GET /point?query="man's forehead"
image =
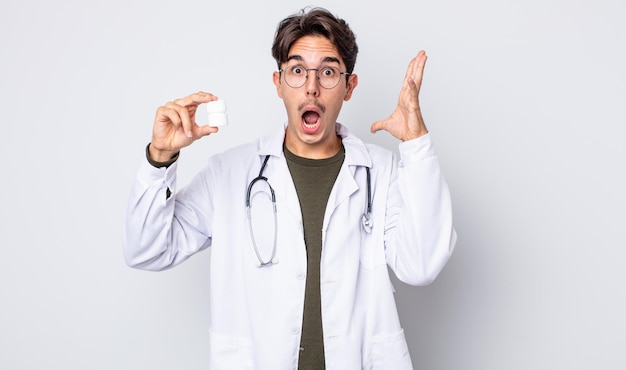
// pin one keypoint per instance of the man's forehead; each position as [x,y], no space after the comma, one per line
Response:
[325,60]
[314,49]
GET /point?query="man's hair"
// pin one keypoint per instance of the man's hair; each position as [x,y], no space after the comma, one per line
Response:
[315,22]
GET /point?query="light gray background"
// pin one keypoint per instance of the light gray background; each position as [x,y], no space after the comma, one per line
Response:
[525,102]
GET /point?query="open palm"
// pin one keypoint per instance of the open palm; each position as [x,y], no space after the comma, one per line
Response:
[406,122]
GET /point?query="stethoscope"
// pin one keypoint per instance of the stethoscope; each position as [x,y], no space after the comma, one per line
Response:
[366,219]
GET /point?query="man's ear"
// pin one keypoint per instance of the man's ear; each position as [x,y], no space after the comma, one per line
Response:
[276,80]
[353,81]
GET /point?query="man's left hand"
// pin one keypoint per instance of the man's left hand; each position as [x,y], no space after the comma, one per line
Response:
[406,122]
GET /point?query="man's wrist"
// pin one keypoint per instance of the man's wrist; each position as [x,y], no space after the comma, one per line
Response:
[163,159]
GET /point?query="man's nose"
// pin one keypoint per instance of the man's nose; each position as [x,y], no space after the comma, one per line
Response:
[312,84]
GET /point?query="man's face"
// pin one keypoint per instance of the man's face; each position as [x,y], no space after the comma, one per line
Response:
[312,110]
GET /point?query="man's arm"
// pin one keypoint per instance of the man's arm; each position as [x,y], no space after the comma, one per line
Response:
[161,230]
[420,236]
[419,233]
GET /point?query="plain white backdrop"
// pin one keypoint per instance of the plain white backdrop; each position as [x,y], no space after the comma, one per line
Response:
[524,99]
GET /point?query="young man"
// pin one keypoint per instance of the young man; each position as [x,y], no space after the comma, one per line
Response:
[303,223]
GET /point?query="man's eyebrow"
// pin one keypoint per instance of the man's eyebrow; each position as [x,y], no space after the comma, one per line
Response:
[325,60]
[294,57]
[331,60]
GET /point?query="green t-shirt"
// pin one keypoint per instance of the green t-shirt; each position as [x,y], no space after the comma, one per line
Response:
[313,179]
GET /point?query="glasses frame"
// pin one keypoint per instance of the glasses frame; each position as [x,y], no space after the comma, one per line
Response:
[317,72]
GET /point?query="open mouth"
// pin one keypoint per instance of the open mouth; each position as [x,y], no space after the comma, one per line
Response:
[310,120]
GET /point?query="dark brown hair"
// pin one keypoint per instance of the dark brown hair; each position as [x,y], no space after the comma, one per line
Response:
[315,22]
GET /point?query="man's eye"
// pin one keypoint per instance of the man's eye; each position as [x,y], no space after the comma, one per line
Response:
[328,72]
[297,70]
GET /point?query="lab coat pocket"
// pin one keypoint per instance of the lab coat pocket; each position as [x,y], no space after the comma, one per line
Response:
[228,352]
[390,351]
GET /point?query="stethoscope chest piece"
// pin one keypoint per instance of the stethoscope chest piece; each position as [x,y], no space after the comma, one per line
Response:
[366,221]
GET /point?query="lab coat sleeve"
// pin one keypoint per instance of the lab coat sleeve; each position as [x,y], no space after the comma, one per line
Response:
[160,231]
[419,234]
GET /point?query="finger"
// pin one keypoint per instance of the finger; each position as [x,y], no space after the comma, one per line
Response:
[201,131]
[414,91]
[195,99]
[410,71]
[166,114]
[185,118]
[420,63]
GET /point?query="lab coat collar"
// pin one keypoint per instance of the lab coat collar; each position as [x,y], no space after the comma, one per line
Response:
[356,151]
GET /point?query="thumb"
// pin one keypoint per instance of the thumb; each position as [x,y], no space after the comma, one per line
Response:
[377,126]
[205,130]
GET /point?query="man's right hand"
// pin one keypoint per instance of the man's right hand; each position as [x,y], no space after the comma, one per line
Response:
[175,126]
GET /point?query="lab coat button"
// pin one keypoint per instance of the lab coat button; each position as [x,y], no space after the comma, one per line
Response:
[300,275]
[295,330]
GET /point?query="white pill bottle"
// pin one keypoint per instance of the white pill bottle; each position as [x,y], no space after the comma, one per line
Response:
[217,113]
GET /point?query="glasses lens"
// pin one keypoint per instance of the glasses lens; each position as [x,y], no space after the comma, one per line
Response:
[295,76]
[328,77]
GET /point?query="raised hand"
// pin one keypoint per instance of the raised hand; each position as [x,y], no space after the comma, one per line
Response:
[406,122]
[175,126]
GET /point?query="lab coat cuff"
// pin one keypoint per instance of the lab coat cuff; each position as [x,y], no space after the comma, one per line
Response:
[417,149]
[160,177]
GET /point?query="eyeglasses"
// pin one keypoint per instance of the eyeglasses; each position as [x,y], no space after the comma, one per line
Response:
[328,77]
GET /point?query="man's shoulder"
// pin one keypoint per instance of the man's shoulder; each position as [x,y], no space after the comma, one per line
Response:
[364,153]
[248,152]
[236,154]
[378,150]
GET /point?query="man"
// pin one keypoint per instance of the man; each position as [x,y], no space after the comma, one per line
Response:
[303,283]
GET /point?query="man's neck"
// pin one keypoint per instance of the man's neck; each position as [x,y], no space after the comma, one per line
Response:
[314,151]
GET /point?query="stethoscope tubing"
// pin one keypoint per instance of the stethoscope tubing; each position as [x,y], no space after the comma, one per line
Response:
[260,177]
[366,219]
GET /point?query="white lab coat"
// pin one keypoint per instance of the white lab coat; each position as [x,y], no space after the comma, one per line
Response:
[256,312]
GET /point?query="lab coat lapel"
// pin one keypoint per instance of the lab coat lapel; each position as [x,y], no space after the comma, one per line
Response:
[286,196]
[279,176]
[348,180]
[344,187]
